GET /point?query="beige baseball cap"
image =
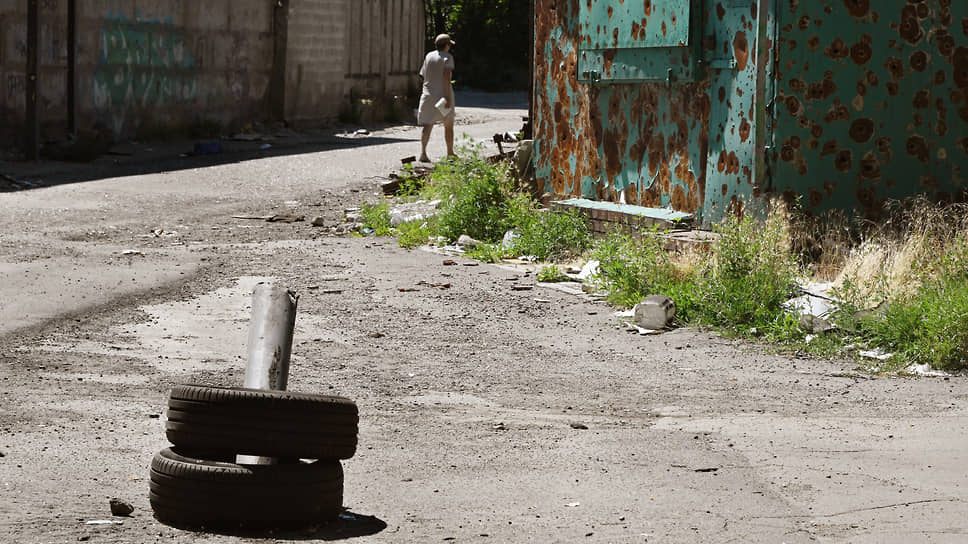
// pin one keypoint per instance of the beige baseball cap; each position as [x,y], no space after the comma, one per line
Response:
[444,39]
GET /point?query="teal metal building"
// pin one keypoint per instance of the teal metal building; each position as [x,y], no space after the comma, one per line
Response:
[713,106]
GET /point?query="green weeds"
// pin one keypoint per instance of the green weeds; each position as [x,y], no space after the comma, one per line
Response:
[479,200]
[552,274]
[902,288]
[377,217]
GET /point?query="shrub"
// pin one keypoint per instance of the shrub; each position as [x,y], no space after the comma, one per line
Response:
[377,217]
[547,235]
[753,273]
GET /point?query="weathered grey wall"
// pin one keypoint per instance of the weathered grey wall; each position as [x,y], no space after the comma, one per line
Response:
[368,47]
[147,68]
[143,67]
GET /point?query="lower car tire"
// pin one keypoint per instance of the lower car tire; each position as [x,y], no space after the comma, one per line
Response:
[188,491]
[263,423]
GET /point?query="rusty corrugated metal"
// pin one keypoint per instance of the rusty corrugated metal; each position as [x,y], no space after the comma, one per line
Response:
[710,105]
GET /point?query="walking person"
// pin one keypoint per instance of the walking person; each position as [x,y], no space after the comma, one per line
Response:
[437,99]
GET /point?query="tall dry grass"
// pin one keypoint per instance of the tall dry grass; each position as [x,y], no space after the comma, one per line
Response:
[894,258]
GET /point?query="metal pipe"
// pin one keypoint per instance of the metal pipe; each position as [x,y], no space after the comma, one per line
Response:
[270,337]
[270,345]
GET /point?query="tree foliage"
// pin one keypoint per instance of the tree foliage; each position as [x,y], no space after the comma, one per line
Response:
[493,40]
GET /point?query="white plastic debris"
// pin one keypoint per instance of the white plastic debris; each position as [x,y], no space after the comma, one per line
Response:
[589,270]
[413,211]
[877,353]
[926,370]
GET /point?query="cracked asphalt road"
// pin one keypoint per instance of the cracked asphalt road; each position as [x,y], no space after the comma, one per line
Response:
[120,280]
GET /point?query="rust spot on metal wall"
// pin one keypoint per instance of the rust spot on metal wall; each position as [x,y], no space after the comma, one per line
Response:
[741,51]
[917,147]
[960,64]
[744,130]
[858,8]
[919,61]
[844,160]
[862,130]
[861,52]
[910,28]
[829,148]
[837,49]
[870,166]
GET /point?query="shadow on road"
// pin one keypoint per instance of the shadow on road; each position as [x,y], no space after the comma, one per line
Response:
[136,160]
[348,525]
[129,159]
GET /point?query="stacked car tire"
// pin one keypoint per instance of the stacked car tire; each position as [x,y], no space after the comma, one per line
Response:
[197,481]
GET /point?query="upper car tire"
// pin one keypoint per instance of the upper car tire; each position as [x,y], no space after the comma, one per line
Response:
[263,423]
[186,490]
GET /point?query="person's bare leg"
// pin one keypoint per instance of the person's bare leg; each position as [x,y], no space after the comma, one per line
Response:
[449,136]
[424,140]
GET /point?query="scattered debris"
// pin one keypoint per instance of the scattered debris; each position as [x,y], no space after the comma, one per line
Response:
[508,240]
[121,508]
[655,312]
[104,522]
[435,285]
[467,242]
[573,505]
[409,160]
[375,335]
[522,287]
[814,307]
[132,252]
[500,427]
[926,371]
[628,318]
[319,222]
[413,211]
[407,289]
[286,218]
[450,262]
[876,353]
[362,132]
[253,217]
[416,175]
[587,271]
[579,426]
[710,469]
[472,263]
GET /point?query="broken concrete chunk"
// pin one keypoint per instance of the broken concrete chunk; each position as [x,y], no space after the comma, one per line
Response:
[413,211]
[467,241]
[656,313]
[813,324]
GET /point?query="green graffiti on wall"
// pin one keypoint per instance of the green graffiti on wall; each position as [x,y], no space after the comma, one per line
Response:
[143,65]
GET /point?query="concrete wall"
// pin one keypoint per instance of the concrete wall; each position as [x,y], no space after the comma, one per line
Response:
[152,68]
[337,47]
[143,67]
